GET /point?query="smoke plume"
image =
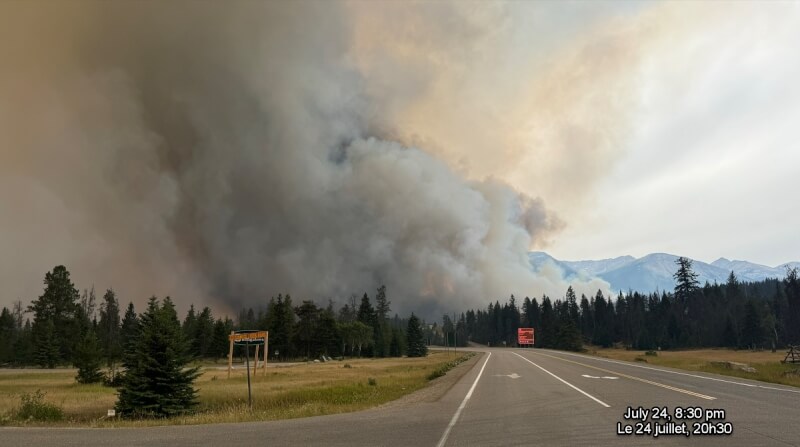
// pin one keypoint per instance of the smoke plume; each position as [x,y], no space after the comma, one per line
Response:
[223,152]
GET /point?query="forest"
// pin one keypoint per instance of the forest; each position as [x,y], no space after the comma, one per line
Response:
[756,315]
[66,327]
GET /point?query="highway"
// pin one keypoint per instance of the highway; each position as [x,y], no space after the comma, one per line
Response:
[511,397]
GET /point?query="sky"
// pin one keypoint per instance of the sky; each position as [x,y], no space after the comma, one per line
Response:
[711,164]
[227,152]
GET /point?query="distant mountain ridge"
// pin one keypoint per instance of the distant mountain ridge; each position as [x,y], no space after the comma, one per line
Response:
[654,272]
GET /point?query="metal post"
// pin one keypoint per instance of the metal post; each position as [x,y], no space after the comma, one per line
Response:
[230,355]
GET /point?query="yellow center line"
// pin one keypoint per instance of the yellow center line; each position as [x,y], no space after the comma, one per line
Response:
[680,390]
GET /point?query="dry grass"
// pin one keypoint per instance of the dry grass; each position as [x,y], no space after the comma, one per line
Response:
[767,364]
[283,393]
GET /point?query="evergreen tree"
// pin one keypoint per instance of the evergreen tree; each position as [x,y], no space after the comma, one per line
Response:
[108,330]
[547,336]
[381,331]
[88,358]
[129,329]
[791,286]
[220,344]
[752,328]
[685,280]
[203,336]
[45,347]
[382,304]
[281,326]
[587,319]
[157,382]
[306,329]
[730,339]
[568,337]
[189,329]
[55,317]
[23,345]
[416,341]
[8,334]
[328,332]
[366,316]
[603,321]
[399,338]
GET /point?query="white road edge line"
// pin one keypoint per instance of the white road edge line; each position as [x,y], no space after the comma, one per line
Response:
[788,390]
[463,404]
[566,383]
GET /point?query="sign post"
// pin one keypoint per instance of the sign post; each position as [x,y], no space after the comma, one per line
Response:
[525,336]
[247,338]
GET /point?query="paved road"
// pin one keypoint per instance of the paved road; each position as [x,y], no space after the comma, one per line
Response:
[510,397]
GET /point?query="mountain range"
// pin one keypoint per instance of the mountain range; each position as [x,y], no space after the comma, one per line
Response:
[654,272]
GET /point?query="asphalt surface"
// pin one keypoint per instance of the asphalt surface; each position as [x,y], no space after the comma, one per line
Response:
[510,397]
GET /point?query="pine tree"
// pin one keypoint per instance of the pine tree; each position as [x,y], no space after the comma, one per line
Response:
[568,337]
[306,329]
[220,344]
[328,332]
[108,331]
[547,336]
[129,330]
[685,280]
[366,316]
[791,287]
[395,348]
[281,326]
[416,341]
[45,348]
[189,329]
[752,328]
[381,331]
[23,345]
[8,334]
[88,358]
[57,307]
[157,382]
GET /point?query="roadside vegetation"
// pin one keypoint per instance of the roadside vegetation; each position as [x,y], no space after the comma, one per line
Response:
[765,366]
[285,392]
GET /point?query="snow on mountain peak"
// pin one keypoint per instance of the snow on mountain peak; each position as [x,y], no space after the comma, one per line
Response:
[655,271]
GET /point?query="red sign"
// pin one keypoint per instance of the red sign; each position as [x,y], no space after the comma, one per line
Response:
[525,336]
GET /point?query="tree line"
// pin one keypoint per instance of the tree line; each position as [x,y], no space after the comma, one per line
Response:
[764,314]
[148,356]
[65,327]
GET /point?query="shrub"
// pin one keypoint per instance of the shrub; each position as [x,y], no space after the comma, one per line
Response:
[372,382]
[651,353]
[33,407]
[442,370]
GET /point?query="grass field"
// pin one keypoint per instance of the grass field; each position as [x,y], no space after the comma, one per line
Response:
[767,364]
[283,393]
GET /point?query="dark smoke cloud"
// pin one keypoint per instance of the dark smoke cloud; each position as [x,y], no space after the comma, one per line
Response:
[221,153]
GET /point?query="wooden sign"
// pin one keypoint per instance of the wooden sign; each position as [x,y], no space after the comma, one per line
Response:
[249,338]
